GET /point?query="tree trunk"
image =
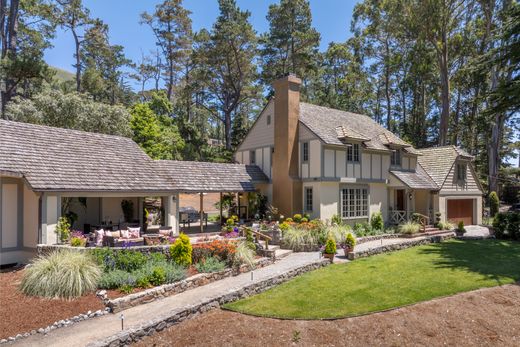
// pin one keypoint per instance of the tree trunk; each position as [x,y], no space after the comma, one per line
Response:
[445,92]
[11,38]
[227,130]
[3,34]
[78,60]
[456,116]
[387,88]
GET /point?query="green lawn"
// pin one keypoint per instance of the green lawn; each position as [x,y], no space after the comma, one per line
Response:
[389,280]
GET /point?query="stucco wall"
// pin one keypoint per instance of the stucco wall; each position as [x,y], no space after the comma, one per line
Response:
[329,199]
[30,218]
[378,199]
[111,208]
[10,211]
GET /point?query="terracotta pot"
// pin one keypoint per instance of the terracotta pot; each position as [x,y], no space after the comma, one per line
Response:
[348,250]
[329,256]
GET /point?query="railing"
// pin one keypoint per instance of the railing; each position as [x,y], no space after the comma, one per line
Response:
[421,219]
[398,216]
[258,236]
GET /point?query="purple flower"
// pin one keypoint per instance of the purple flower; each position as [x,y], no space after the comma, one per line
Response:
[231,235]
[235,229]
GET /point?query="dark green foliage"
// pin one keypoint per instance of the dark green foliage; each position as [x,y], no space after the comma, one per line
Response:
[494,204]
[460,227]
[437,219]
[376,221]
[507,225]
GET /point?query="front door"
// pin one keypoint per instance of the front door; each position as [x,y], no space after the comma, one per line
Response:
[399,196]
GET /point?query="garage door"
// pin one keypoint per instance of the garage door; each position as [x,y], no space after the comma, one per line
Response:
[461,210]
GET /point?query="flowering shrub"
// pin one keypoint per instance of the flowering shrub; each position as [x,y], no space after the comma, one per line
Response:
[231,235]
[77,239]
[222,249]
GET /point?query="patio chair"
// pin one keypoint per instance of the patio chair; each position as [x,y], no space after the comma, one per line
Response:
[184,218]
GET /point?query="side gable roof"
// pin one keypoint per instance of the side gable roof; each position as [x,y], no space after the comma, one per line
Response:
[193,176]
[56,159]
[335,126]
[438,161]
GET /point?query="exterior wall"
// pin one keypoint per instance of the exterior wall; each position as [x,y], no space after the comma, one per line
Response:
[30,217]
[442,202]
[261,134]
[10,213]
[316,199]
[329,200]
[111,208]
[267,190]
[314,159]
[378,199]
[422,202]
[470,185]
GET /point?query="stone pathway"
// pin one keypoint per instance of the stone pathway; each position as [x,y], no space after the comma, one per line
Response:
[91,331]
[476,232]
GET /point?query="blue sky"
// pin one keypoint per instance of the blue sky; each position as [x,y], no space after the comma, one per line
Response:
[330,17]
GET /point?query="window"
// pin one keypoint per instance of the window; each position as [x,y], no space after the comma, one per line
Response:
[354,203]
[353,152]
[268,119]
[461,172]
[395,160]
[252,157]
[308,199]
[305,150]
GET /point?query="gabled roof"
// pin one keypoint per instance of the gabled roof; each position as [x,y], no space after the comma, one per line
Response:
[56,159]
[193,176]
[335,126]
[438,161]
[416,180]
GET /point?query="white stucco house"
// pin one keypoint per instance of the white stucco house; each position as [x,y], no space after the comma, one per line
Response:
[326,162]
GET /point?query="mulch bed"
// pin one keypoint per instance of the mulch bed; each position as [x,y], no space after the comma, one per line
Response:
[486,317]
[20,313]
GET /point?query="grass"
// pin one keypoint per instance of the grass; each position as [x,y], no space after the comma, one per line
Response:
[389,280]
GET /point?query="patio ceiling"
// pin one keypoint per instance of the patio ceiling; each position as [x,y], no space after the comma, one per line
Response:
[195,177]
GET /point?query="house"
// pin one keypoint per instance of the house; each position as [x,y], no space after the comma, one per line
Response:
[327,162]
[47,172]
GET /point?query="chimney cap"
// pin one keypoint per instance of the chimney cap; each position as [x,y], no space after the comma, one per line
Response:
[289,77]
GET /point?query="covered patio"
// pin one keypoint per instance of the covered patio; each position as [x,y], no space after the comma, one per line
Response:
[236,181]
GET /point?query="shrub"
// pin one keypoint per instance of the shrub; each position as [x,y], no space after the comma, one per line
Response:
[362,229]
[338,232]
[350,240]
[284,226]
[296,238]
[61,274]
[307,216]
[127,260]
[336,219]
[494,203]
[174,272]
[244,254]
[289,220]
[210,264]
[181,250]
[297,218]
[77,241]
[116,279]
[330,246]
[304,220]
[409,228]
[126,289]
[445,226]
[230,222]
[376,221]
[63,229]
[460,227]
[500,224]
[514,225]
[157,276]
[437,219]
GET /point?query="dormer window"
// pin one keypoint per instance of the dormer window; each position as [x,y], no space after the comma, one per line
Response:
[395,159]
[305,151]
[353,152]
[461,172]
[252,157]
[268,119]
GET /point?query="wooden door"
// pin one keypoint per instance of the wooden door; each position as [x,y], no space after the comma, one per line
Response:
[399,195]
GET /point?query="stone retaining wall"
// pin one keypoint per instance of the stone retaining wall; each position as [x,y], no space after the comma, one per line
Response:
[129,336]
[364,239]
[165,290]
[46,249]
[398,246]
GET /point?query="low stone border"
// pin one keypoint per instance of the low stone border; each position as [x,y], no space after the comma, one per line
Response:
[398,246]
[59,324]
[152,294]
[364,239]
[126,337]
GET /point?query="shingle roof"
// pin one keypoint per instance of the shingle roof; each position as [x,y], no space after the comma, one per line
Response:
[56,159]
[437,161]
[325,122]
[193,176]
[416,180]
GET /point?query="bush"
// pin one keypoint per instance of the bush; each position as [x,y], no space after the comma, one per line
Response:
[445,226]
[116,279]
[181,250]
[157,276]
[221,249]
[296,238]
[289,220]
[297,218]
[409,228]
[514,225]
[77,241]
[338,232]
[304,220]
[127,260]
[494,203]
[437,219]
[507,225]
[350,240]
[63,229]
[284,226]
[376,221]
[210,264]
[336,219]
[362,229]
[500,224]
[244,254]
[174,272]
[460,227]
[61,274]
[330,246]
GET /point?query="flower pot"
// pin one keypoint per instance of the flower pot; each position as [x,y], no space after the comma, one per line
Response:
[348,250]
[329,256]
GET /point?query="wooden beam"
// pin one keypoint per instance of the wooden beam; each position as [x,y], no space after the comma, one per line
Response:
[201,212]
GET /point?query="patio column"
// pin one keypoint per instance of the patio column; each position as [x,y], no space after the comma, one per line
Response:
[238,206]
[170,211]
[201,212]
[51,212]
[220,208]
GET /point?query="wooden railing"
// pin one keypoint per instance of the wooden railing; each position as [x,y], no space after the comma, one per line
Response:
[398,216]
[421,219]
[258,236]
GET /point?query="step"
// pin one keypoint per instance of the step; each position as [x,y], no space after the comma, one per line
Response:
[282,253]
[273,247]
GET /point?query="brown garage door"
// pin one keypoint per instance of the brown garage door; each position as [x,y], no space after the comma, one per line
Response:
[461,210]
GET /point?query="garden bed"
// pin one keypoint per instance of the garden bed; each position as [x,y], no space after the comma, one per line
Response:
[21,313]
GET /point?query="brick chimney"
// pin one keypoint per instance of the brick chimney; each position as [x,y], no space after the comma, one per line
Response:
[287,187]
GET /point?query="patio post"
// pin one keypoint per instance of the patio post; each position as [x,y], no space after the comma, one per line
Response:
[238,205]
[220,208]
[201,212]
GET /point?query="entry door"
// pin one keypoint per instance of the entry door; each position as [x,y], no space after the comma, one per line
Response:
[399,196]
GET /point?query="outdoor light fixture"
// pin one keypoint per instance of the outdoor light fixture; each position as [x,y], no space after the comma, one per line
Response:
[122,321]
[410,196]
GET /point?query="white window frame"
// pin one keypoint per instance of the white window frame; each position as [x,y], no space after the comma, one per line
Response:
[353,155]
[462,168]
[396,154]
[309,204]
[354,202]
[305,152]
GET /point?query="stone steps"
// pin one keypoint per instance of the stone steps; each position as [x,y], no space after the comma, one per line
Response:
[282,253]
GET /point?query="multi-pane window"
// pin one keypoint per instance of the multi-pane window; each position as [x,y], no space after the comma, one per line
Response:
[268,119]
[353,152]
[354,203]
[395,160]
[305,150]
[461,172]
[308,199]
[252,157]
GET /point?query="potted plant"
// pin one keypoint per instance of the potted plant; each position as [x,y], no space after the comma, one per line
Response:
[330,249]
[460,229]
[349,244]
